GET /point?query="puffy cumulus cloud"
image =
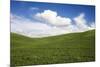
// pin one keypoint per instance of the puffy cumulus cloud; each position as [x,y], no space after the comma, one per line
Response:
[51,17]
[27,27]
[82,24]
[48,23]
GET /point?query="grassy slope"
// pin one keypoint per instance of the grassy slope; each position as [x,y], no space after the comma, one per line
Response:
[73,47]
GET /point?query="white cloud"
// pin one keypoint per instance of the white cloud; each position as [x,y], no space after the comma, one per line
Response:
[92,25]
[25,26]
[30,28]
[49,24]
[52,18]
[81,22]
[34,8]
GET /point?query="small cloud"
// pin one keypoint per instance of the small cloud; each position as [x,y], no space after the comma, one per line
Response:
[92,26]
[34,8]
[81,22]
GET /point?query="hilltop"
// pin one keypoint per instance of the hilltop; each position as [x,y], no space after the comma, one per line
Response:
[73,47]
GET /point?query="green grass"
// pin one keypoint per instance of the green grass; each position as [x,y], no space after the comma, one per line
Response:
[68,48]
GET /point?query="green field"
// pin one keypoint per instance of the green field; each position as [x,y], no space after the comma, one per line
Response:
[68,48]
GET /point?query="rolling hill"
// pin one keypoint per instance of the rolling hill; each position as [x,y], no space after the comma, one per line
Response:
[67,48]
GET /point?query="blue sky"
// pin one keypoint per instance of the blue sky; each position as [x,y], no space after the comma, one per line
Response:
[80,15]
